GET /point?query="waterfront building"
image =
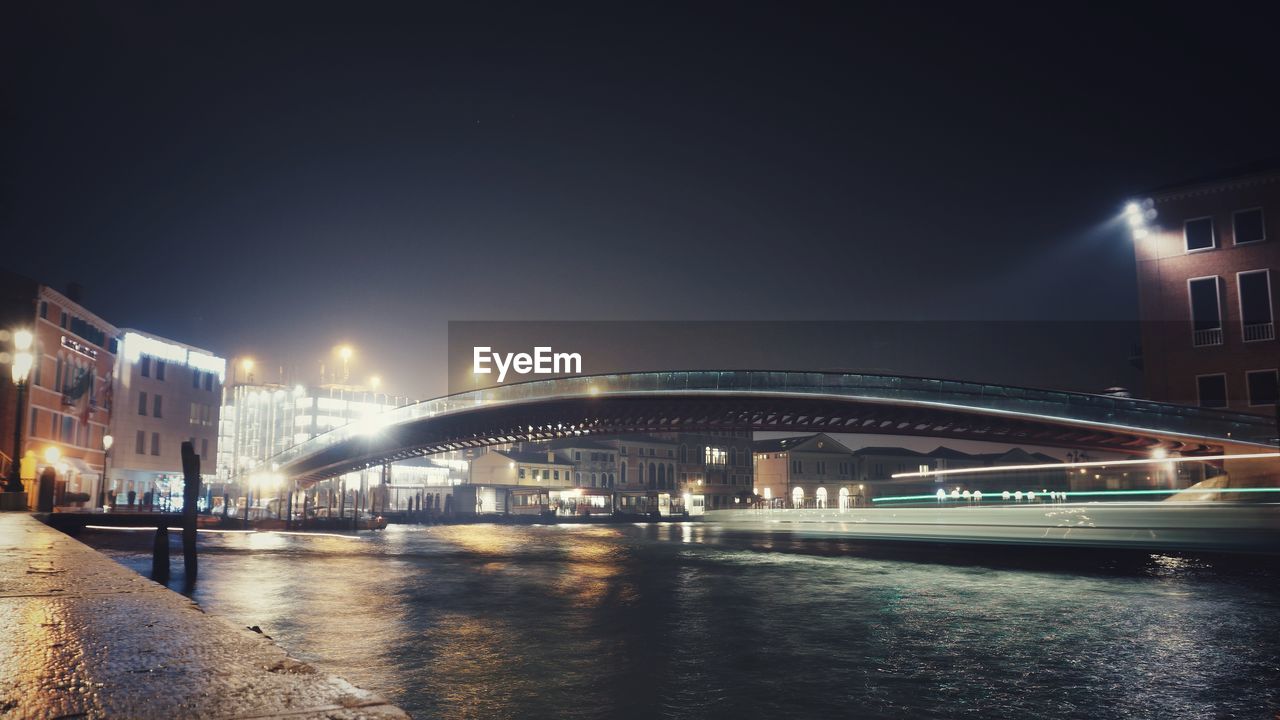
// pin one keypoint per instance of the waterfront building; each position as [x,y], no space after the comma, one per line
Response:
[714,464]
[645,463]
[165,393]
[812,471]
[595,462]
[497,474]
[1207,256]
[67,404]
[260,420]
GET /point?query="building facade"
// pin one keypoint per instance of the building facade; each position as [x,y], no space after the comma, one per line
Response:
[1207,256]
[165,393]
[66,407]
[258,421]
[806,471]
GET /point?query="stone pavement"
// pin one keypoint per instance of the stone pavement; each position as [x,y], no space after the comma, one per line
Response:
[81,636]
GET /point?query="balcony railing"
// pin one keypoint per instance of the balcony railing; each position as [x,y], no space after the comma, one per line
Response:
[1206,338]
[1254,332]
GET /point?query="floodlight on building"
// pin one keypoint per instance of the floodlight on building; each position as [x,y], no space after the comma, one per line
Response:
[1139,216]
[52,454]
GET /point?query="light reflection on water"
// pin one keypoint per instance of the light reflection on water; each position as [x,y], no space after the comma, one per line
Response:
[687,621]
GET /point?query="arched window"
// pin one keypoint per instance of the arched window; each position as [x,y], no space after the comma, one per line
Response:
[821,497]
[653,476]
[844,498]
[623,470]
[662,477]
[733,456]
[593,479]
[611,479]
[797,497]
[684,454]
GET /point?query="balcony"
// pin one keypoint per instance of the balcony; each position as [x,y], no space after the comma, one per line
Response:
[1206,338]
[1255,332]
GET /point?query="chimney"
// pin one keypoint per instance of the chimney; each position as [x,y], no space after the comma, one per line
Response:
[75,292]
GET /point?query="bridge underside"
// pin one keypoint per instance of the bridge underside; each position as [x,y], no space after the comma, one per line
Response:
[614,414]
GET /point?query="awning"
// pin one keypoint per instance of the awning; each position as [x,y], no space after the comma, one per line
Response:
[80,466]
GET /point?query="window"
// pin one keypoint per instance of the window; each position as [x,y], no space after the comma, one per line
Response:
[159,369]
[141,445]
[35,418]
[204,448]
[44,310]
[68,429]
[1255,305]
[1262,387]
[155,410]
[142,403]
[1206,312]
[1199,234]
[155,443]
[195,379]
[208,381]
[797,467]
[521,474]
[1212,390]
[577,455]
[145,366]
[1248,226]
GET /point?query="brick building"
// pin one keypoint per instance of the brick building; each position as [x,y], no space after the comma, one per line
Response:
[1206,253]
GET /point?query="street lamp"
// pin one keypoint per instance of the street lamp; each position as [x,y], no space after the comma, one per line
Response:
[345,352]
[21,370]
[107,442]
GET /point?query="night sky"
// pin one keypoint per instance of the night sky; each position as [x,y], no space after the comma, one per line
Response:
[276,178]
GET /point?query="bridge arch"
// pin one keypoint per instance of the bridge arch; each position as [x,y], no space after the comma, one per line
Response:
[772,401]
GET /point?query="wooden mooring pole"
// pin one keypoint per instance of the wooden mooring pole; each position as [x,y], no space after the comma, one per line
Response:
[190,494]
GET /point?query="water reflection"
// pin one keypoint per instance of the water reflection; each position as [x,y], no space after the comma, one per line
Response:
[689,621]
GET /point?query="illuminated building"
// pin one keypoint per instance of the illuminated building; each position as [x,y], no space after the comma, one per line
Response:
[1206,252]
[260,420]
[806,471]
[68,401]
[164,393]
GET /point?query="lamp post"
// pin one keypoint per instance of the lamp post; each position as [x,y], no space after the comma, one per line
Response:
[21,370]
[107,442]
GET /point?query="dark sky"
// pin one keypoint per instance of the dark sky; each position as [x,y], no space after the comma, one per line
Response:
[274,178]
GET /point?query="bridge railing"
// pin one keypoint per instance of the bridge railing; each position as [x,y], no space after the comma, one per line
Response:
[1044,404]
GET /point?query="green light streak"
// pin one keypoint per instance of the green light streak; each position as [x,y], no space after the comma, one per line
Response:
[1075,493]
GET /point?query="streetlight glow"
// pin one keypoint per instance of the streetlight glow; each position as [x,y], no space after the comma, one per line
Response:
[52,454]
[22,340]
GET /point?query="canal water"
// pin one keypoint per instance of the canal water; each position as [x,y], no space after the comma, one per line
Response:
[691,621]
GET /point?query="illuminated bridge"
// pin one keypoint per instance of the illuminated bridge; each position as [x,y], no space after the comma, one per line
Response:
[699,401]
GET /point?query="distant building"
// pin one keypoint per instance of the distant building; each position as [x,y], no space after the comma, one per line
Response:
[595,462]
[1207,252]
[645,463]
[165,393]
[259,421]
[497,473]
[715,464]
[66,409]
[806,471]
[875,467]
